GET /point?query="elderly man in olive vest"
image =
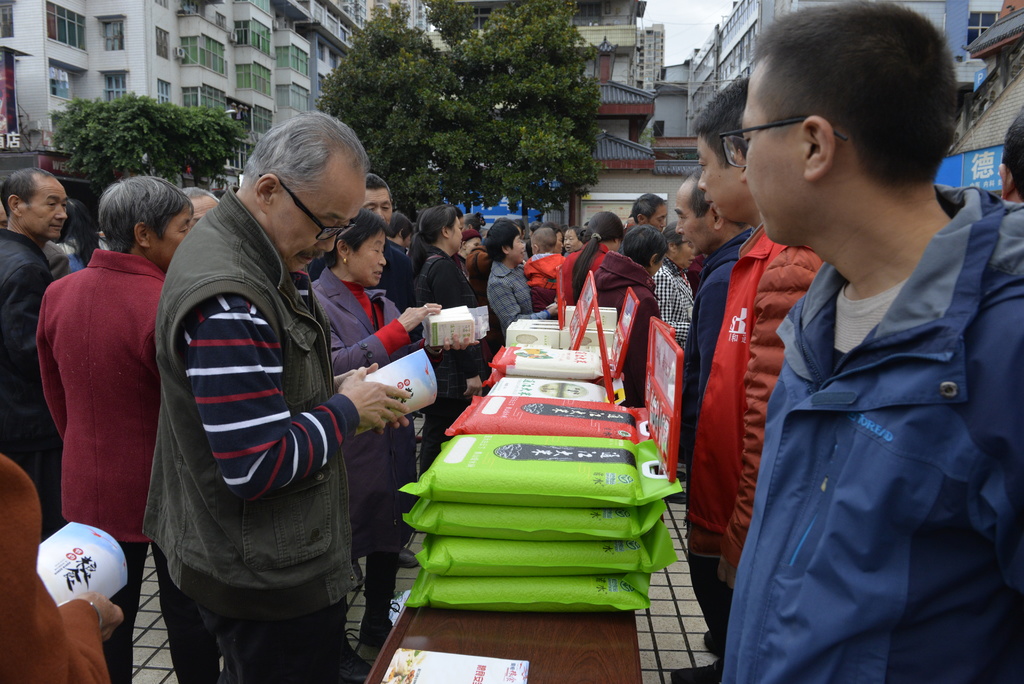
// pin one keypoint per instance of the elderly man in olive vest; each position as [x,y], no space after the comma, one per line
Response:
[248,497]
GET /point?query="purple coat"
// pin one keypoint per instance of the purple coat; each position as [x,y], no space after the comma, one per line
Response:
[377,465]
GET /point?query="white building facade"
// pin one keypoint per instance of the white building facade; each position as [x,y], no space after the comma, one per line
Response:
[260,60]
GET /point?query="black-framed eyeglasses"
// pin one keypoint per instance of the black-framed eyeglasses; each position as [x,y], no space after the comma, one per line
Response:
[325,231]
[735,145]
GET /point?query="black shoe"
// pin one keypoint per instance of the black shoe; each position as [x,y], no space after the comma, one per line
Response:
[353,670]
[711,644]
[374,630]
[709,674]
[407,559]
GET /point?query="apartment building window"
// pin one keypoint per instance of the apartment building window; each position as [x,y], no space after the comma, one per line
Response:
[254,76]
[65,26]
[977,22]
[587,14]
[204,96]
[163,91]
[60,83]
[262,119]
[480,17]
[294,96]
[242,153]
[163,43]
[115,86]
[113,35]
[162,3]
[262,4]
[293,57]
[321,52]
[204,51]
[6,21]
[253,33]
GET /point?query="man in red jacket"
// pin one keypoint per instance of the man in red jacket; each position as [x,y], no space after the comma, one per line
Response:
[98,362]
[766,281]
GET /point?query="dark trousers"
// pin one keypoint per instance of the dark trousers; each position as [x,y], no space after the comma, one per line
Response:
[194,652]
[713,595]
[379,586]
[302,650]
[437,418]
[44,468]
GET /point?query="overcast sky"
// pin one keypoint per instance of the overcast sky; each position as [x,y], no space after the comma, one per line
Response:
[688,24]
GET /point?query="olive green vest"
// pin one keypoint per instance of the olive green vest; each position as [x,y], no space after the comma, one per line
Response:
[286,554]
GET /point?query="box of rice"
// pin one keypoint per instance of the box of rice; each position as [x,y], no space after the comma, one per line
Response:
[490,521]
[468,557]
[574,594]
[524,470]
[493,415]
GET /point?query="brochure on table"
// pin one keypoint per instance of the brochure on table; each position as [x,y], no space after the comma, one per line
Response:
[664,388]
[434,667]
[622,332]
[586,307]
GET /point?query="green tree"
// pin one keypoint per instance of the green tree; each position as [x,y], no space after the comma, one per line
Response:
[395,89]
[506,111]
[135,135]
[528,67]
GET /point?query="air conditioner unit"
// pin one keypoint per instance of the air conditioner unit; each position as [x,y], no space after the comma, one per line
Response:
[232,38]
[180,53]
[280,25]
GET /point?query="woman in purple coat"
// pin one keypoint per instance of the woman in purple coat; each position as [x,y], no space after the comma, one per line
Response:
[366,328]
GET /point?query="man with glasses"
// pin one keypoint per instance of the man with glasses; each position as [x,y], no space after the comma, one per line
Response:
[887,535]
[248,498]
[767,279]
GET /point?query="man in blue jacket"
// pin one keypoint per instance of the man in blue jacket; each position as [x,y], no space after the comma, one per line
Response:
[886,543]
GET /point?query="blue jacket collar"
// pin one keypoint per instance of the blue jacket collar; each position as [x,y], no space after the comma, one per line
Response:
[933,308]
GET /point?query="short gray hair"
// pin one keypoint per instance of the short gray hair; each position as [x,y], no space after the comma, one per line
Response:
[195,193]
[138,199]
[299,149]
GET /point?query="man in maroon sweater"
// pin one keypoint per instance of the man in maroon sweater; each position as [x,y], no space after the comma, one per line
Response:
[98,362]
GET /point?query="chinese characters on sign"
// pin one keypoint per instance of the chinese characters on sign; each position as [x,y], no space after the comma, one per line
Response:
[981,168]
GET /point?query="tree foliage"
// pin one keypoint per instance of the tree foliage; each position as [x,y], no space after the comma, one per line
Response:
[135,135]
[506,111]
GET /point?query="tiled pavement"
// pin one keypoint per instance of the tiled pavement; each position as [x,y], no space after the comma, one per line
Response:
[670,633]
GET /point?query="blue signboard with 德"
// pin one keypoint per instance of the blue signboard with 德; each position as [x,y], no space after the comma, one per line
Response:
[981,168]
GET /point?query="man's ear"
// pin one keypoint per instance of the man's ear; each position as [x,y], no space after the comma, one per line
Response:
[819,147]
[1009,191]
[14,205]
[716,219]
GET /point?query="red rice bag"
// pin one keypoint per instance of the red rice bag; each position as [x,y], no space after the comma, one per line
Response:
[494,415]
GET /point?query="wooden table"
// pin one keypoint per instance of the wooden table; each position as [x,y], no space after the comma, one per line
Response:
[563,648]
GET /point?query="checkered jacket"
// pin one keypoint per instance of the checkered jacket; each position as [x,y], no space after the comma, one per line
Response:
[674,298]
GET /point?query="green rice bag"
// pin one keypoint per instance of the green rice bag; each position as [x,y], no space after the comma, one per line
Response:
[577,594]
[534,524]
[466,557]
[563,472]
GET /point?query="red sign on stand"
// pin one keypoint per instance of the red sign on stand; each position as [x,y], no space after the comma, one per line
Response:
[560,298]
[622,332]
[664,386]
[586,307]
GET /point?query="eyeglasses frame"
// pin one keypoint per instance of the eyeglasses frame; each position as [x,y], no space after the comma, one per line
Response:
[325,232]
[738,133]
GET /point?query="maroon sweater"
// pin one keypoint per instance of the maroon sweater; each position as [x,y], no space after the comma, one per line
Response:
[615,276]
[98,363]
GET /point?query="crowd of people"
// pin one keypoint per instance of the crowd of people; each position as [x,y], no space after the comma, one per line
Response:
[195,385]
